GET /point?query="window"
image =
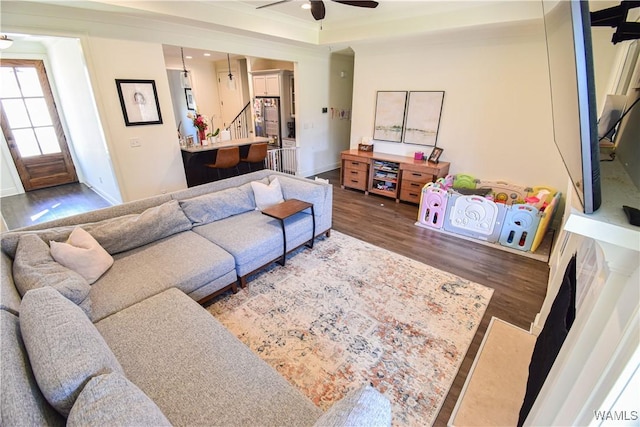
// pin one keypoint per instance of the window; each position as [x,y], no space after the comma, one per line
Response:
[27,108]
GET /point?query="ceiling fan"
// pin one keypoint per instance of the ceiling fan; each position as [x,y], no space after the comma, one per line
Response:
[317,6]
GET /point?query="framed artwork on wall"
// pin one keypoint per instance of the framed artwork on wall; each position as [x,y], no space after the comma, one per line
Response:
[139,102]
[423,117]
[191,103]
[389,119]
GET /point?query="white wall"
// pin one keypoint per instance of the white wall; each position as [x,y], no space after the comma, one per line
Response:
[340,98]
[9,179]
[84,130]
[155,166]
[496,119]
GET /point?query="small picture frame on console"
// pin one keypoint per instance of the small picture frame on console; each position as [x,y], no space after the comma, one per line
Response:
[435,154]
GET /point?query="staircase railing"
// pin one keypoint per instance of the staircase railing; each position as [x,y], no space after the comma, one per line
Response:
[240,126]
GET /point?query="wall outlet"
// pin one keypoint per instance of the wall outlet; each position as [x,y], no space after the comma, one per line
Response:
[134,142]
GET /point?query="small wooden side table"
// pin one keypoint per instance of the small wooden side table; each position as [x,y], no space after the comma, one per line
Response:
[286,209]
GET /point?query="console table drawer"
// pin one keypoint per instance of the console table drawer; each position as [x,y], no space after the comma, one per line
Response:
[412,186]
[417,177]
[356,164]
[355,178]
[410,193]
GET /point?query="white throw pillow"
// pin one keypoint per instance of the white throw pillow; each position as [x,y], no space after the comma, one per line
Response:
[267,195]
[82,254]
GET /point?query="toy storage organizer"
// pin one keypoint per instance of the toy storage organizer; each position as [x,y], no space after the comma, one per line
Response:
[511,224]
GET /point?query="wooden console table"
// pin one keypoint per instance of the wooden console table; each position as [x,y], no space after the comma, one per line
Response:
[390,175]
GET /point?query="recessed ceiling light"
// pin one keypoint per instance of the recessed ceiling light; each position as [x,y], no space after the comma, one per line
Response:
[207,54]
[189,57]
[306,5]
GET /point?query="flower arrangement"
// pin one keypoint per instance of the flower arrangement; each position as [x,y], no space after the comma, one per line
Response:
[199,121]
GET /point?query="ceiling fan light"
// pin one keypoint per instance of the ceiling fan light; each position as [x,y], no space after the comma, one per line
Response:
[5,42]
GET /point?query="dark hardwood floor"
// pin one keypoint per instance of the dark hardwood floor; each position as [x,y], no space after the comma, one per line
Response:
[519,283]
[48,204]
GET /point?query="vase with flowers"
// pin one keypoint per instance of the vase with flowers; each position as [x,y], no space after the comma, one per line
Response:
[200,123]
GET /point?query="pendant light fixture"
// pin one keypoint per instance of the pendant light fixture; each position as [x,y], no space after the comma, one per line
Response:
[5,42]
[231,84]
[184,75]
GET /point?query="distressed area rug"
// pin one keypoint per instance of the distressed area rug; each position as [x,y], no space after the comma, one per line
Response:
[347,313]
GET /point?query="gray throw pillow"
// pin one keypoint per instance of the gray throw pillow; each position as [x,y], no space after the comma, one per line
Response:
[65,349]
[112,400]
[34,267]
[217,205]
[362,407]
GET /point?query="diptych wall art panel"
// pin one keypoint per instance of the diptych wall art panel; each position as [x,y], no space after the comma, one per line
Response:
[389,122]
[423,117]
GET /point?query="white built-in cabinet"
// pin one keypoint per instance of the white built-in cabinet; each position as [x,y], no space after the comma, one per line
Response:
[266,84]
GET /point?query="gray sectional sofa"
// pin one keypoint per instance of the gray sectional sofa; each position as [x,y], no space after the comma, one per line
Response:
[135,347]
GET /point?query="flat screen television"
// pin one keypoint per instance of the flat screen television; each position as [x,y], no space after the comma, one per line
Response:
[573,97]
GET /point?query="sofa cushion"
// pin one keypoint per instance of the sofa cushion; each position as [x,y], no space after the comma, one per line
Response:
[132,231]
[196,371]
[308,191]
[65,349]
[112,400]
[34,267]
[9,296]
[185,260]
[82,254]
[362,407]
[219,205]
[256,238]
[116,234]
[21,402]
[267,195]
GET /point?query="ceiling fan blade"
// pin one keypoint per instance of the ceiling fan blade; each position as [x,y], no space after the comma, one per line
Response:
[317,9]
[273,4]
[359,3]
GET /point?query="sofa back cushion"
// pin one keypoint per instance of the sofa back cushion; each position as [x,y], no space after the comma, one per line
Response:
[21,402]
[113,400]
[64,347]
[365,406]
[219,205]
[132,231]
[116,234]
[34,267]
[305,190]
